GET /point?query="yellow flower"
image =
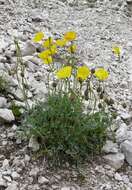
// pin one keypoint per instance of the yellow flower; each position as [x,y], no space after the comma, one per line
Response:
[64,72]
[72,48]
[38,37]
[53,49]
[48,60]
[83,72]
[70,36]
[60,43]
[47,43]
[101,74]
[116,50]
[44,54]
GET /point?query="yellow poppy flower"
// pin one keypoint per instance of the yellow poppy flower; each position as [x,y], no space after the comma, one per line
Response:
[44,54]
[53,49]
[38,37]
[70,36]
[64,72]
[72,48]
[60,43]
[47,43]
[116,50]
[48,60]
[101,74]
[83,72]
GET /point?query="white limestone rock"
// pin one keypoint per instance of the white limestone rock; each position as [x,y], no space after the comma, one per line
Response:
[6,115]
[126,148]
[115,160]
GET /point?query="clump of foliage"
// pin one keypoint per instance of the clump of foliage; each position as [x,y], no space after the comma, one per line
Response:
[16,111]
[3,85]
[65,132]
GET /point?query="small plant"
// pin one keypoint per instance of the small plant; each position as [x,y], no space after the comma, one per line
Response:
[64,131]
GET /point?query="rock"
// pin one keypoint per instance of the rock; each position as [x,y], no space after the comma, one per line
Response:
[125,179]
[126,117]
[28,49]
[15,175]
[118,177]
[18,93]
[34,172]
[115,160]
[65,188]
[5,163]
[3,102]
[6,116]
[7,178]
[121,133]
[126,148]
[3,183]
[33,144]
[27,158]
[110,147]
[13,186]
[43,180]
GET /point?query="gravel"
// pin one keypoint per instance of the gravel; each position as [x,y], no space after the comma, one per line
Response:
[100,25]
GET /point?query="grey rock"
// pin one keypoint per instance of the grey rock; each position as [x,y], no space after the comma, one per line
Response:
[3,183]
[34,172]
[110,147]
[42,180]
[6,115]
[33,144]
[3,102]
[118,177]
[15,175]
[126,148]
[28,49]
[126,116]
[115,160]
[27,158]
[5,163]
[13,186]
[7,178]
[121,133]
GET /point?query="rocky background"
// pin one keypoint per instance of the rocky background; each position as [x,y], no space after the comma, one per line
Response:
[99,25]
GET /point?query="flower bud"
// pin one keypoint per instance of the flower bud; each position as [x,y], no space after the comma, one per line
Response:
[92,70]
[101,96]
[100,106]
[99,89]
[54,84]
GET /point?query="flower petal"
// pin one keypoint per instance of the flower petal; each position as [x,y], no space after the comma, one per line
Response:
[64,72]
[101,74]
[70,36]
[83,72]
[38,37]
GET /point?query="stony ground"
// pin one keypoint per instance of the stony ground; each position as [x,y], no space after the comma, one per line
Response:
[99,25]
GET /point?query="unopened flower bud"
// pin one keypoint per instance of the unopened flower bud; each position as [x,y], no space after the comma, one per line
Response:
[54,84]
[100,106]
[99,89]
[92,70]
[101,96]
